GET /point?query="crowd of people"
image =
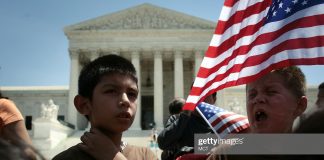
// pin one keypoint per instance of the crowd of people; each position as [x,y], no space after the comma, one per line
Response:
[107,97]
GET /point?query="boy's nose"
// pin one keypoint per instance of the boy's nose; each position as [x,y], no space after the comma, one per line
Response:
[259,99]
[124,101]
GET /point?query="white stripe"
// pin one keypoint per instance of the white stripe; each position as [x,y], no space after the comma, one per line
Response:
[241,5]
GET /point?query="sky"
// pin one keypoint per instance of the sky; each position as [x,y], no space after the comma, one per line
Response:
[34,49]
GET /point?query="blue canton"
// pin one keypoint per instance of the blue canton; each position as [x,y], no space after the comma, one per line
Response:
[209,110]
[281,9]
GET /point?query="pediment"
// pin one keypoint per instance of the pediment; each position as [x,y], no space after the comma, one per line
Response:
[145,16]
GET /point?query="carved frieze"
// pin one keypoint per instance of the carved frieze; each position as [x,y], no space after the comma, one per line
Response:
[146,16]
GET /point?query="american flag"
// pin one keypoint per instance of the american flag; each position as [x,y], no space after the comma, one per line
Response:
[253,37]
[222,121]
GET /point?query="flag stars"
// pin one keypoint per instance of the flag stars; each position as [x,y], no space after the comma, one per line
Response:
[288,10]
[295,1]
[274,13]
[280,5]
[304,3]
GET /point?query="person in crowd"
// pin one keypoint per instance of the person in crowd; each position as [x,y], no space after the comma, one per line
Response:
[175,107]
[107,96]
[12,126]
[274,101]
[179,135]
[320,96]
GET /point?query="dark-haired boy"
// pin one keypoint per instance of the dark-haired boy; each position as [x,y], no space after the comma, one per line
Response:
[107,96]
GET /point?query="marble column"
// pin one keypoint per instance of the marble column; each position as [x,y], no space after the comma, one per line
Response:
[178,74]
[198,60]
[73,89]
[158,89]
[137,64]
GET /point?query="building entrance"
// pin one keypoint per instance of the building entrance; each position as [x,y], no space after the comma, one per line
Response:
[147,112]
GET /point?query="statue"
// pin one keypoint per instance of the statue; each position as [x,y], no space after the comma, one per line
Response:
[49,111]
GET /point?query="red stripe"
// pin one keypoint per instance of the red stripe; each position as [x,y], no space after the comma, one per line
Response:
[239,16]
[230,3]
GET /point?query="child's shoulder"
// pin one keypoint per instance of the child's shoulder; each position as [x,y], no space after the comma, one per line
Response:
[73,153]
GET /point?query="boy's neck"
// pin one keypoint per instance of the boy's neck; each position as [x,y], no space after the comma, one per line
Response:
[115,138]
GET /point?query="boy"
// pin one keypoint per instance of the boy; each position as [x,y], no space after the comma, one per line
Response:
[107,96]
[273,102]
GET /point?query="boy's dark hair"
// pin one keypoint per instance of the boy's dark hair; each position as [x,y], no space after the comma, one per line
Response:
[214,95]
[92,73]
[175,106]
[321,86]
[294,80]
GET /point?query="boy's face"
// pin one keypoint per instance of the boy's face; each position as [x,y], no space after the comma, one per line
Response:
[113,105]
[271,107]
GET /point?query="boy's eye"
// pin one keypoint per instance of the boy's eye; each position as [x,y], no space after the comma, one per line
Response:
[251,95]
[132,95]
[271,92]
[111,91]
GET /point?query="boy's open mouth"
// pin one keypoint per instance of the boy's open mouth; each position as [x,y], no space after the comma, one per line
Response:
[260,116]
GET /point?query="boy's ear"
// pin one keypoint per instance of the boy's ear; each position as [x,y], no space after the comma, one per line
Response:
[302,105]
[82,104]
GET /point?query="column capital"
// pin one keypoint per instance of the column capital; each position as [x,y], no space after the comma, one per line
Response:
[74,53]
[157,53]
[115,51]
[135,54]
[178,54]
[198,53]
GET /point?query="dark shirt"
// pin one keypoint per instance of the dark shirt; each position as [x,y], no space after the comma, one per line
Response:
[181,132]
